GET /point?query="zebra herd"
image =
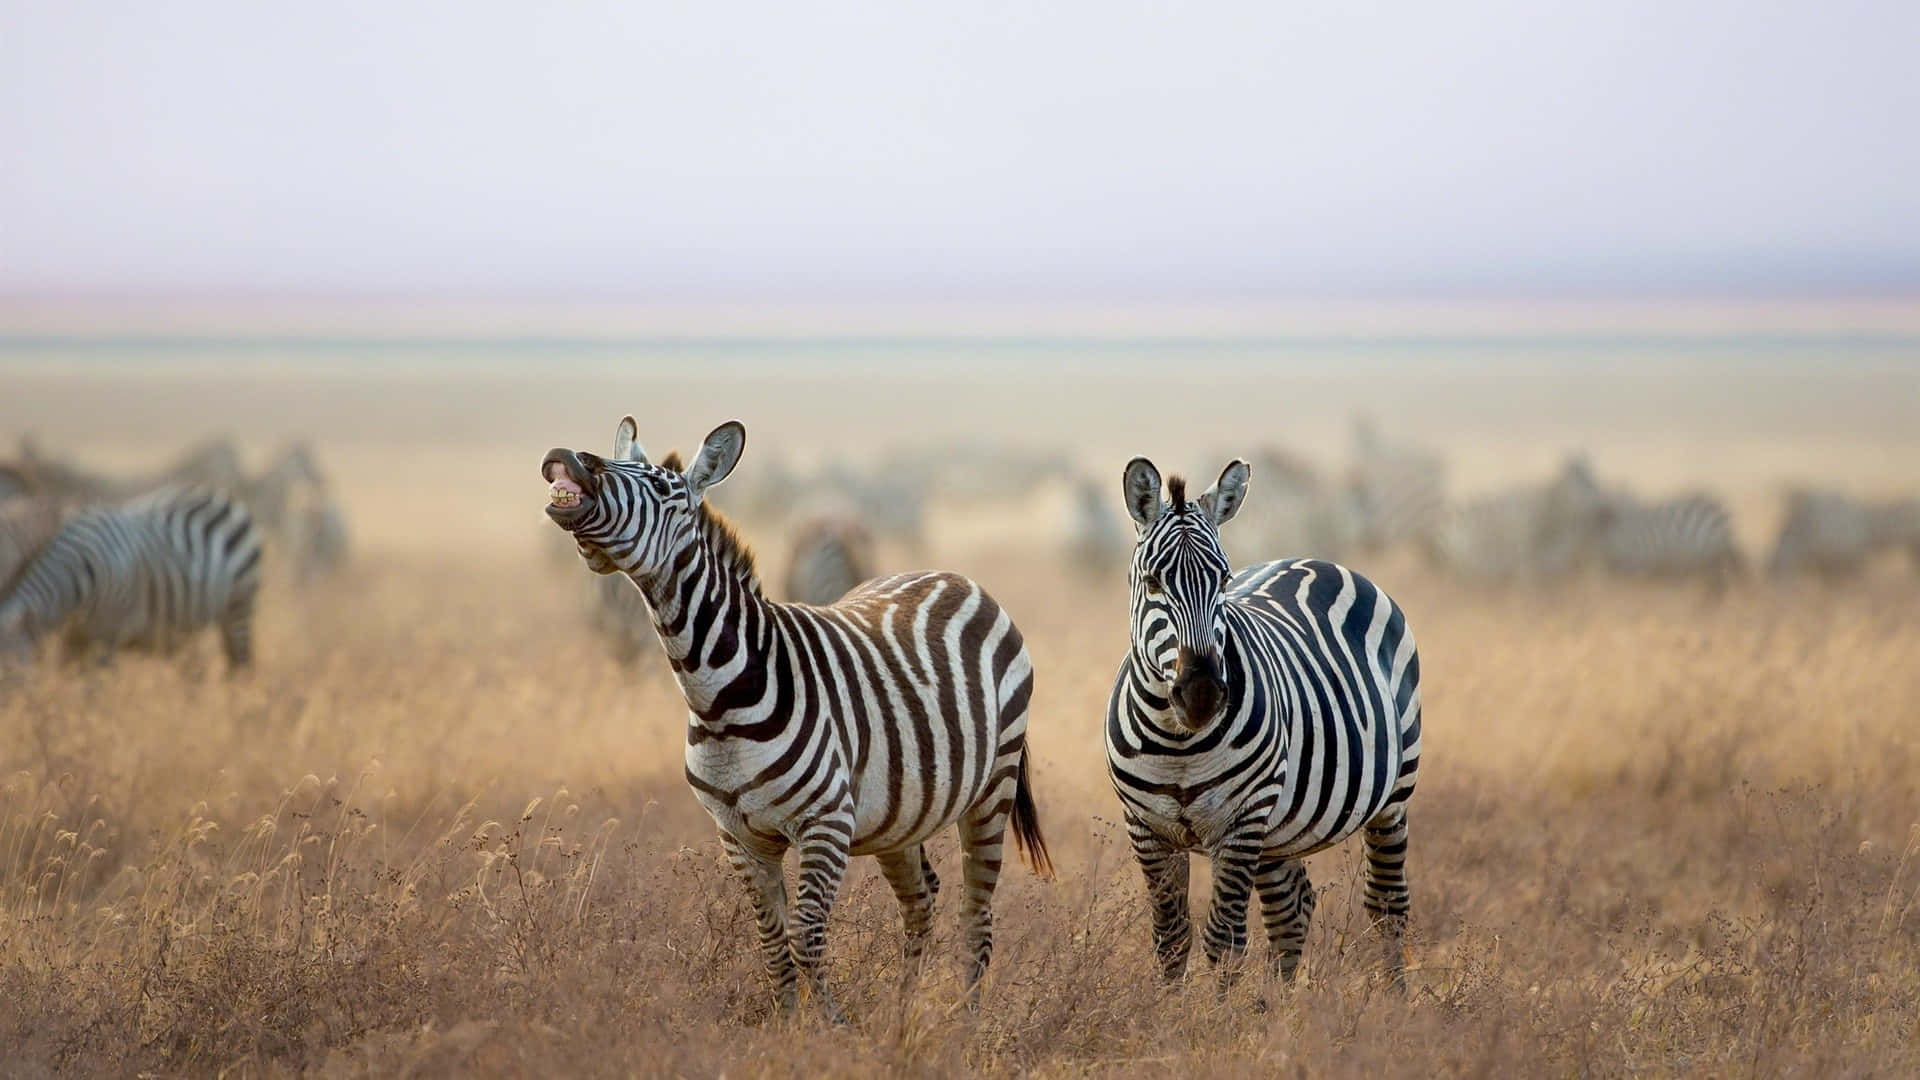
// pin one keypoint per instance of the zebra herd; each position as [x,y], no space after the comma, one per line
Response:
[1257,717]
[1394,496]
[145,562]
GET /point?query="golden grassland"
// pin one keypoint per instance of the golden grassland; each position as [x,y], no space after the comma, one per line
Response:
[438,831]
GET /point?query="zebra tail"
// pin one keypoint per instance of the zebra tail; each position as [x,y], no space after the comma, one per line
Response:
[1026,823]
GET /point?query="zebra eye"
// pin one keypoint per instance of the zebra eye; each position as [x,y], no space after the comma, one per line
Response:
[1151,582]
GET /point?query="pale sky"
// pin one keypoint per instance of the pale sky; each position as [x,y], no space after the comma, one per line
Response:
[1073,148]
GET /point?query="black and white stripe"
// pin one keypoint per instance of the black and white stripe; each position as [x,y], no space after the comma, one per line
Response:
[862,728]
[147,574]
[1259,717]
[1689,536]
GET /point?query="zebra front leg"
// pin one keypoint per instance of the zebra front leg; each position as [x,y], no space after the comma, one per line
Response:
[823,865]
[767,887]
[1286,909]
[1165,867]
[1225,937]
[1387,892]
[914,885]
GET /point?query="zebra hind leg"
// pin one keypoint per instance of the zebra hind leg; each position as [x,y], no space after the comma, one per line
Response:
[914,885]
[1286,910]
[983,835]
[1387,893]
[236,633]
[767,888]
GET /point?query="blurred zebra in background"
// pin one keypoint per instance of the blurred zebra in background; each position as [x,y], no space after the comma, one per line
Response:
[147,574]
[27,522]
[213,464]
[1525,536]
[1096,542]
[1689,536]
[832,554]
[1300,512]
[1399,491]
[1834,535]
[292,505]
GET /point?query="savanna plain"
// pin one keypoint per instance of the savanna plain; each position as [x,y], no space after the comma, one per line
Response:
[440,831]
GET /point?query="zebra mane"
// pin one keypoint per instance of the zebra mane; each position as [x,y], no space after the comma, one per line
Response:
[672,461]
[1177,491]
[728,547]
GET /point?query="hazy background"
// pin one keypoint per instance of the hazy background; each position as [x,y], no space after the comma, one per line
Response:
[996,151]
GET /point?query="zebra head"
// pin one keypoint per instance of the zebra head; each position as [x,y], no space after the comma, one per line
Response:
[628,514]
[1177,580]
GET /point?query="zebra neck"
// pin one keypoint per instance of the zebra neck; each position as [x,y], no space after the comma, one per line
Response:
[713,625]
[51,587]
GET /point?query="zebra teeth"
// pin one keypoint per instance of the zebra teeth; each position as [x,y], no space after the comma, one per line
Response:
[564,493]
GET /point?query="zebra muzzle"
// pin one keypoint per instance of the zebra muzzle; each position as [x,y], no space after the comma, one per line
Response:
[1198,690]
[568,481]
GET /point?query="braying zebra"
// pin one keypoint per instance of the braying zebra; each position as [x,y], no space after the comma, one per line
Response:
[1259,717]
[862,728]
[147,574]
[832,554]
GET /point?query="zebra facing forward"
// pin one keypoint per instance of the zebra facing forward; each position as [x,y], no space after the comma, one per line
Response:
[1259,717]
[147,574]
[862,728]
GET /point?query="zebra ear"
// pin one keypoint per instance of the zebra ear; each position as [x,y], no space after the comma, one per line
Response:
[626,442]
[717,457]
[1140,487]
[1223,499]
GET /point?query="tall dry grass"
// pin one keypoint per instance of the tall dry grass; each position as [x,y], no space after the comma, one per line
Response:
[438,832]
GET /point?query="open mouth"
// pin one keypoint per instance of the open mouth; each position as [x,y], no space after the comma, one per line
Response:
[567,484]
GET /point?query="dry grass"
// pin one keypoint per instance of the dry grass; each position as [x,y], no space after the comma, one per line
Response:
[438,832]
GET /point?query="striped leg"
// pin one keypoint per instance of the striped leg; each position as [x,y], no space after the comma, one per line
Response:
[767,886]
[1165,867]
[983,834]
[1286,908]
[236,633]
[1386,900]
[823,865]
[914,885]
[1225,936]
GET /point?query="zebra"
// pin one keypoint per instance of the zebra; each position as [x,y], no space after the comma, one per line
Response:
[1258,717]
[146,574]
[1299,513]
[862,728]
[1834,535]
[27,522]
[213,464]
[290,500]
[832,554]
[616,610]
[1532,534]
[1399,492]
[1096,543]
